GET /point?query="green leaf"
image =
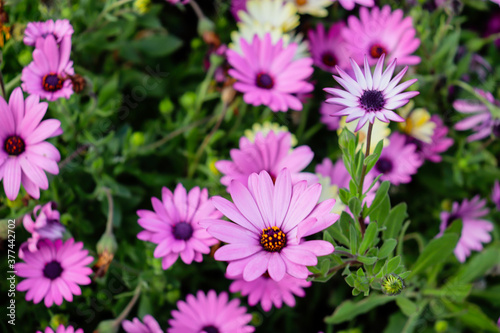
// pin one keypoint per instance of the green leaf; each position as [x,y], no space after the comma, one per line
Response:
[394,221]
[478,265]
[372,159]
[367,260]
[353,238]
[406,306]
[349,310]
[435,252]
[472,316]
[387,248]
[335,232]
[355,206]
[379,196]
[368,238]
[392,265]
[157,45]
[344,195]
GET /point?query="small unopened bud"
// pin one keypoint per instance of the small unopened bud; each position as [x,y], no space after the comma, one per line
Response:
[137,139]
[57,320]
[107,243]
[392,284]
[228,92]
[107,326]
[205,25]
[441,326]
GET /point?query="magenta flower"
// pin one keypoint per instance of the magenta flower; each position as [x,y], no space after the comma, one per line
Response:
[369,97]
[267,74]
[210,314]
[482,123]
[272,153]
[58,29]
[439,144]
[475,230]
[174,225]
[150,325]
[270,222]
[61,329]
[328,49]
[47,75]
[495,194]
[268,292]
[381,32]
[45,226]
[349,4]
[398,161]
[54,271]
[327,112]
[25,154]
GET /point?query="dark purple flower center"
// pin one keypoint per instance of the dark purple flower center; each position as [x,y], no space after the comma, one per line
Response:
[52,82]
[329,59]
[419,144]
[450,219]
[376,51]
[14,145]
[273,239]
[264,81]
[372,100]
[182,231]
[52,270]
[384,165]
[210,329]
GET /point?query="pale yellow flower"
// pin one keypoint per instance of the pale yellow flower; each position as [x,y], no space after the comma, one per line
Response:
[270,14]
[330,192]
[380,131]
[418,123]
[312,7]
[265,128]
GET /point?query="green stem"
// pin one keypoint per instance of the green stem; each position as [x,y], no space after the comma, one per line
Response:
[109,222]
[129,306]
[495,110]
[361,220]
[197,10]
[9,86]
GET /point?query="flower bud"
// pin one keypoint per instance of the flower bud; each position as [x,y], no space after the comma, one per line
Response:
[107,243]
[392,285]
[107,326]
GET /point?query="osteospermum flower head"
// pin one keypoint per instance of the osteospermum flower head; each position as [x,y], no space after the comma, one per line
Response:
[149,325]
[268,292]
[61,329]
[417,123]
[349,4]
[266,73]
[48,74]
[265,129]
[270,152]
[270,14]
[173,225]
[475,229]
[328,49]
[326,111]
[45,226]
[210,313]
[36,30]
[312,7]
[270,222]
[379,32]
[24,154]
[371,97]
[54,271]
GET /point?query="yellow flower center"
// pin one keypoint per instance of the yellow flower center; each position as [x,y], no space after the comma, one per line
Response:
[273,239]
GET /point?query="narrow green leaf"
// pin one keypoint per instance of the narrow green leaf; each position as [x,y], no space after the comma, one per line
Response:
[406,306]
[368,238]
[387,248]
[394,221]
[367,260]
[435,252]
[355,206]
[392,265]
[379,196]
[353,238]
[349,310]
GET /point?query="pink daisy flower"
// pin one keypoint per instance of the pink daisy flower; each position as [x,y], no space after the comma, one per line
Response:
[379,32]
[270,222]
[349,4]
[45,226]
[58,29]
[268,292]
[327,112]
[495,194]
[268,75]
[475,230]
[150,325]
[481,122]
[398,161]
[328,49]
[54,271]
[61,329]
[210,314]
[174,225]
[439,144]
[47,75]
[272,153]
[25,154]
[369,97]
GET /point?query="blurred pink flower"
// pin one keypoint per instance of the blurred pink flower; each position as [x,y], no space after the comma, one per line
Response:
[25,154]
[439,144]
[475,230]
[328,49]
[481,122]
[174,225]
[328,118]
[349,4]
[58,29]
[379,32]
[266,73]
[150,325]
[45,226]
[495,194]
[47,75]
[272,153]
[270,222]
[268,292]
[54,271]
[61,329]
[398,161]
[371,97]
[210,313]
